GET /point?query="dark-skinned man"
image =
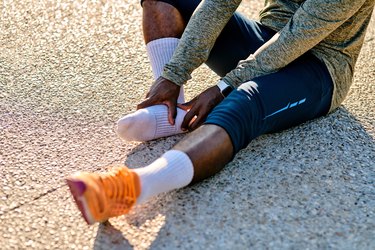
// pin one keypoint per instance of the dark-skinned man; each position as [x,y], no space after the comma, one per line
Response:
[294,65]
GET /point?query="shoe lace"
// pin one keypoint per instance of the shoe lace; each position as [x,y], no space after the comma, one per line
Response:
[120,189]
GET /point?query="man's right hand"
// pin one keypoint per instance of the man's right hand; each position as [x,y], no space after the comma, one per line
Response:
[164,92]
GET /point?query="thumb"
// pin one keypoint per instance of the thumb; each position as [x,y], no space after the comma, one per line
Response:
[172,112]
[187,105]
[146,103]
[184,106]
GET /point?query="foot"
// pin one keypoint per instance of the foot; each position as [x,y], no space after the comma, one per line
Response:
[102,196]
[149,124]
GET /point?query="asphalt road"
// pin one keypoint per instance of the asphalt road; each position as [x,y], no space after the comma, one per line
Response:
[70,69]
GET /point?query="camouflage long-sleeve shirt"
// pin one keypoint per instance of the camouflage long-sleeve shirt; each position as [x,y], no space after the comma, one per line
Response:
[333,30]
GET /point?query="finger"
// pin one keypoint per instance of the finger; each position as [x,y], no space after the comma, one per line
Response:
[146,103]
[172,112]
[188,118]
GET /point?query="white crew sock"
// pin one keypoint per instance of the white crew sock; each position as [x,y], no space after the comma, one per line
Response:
[152,122]
[160,51]
[172,170]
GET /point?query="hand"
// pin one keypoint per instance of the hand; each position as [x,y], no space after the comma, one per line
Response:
[164,92]
[199,108]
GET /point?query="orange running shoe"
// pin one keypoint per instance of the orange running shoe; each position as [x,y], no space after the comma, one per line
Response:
[102,196]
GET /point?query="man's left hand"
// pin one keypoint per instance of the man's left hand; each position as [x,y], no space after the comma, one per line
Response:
[199,108]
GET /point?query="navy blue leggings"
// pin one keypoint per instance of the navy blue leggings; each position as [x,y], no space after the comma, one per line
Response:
[299,92]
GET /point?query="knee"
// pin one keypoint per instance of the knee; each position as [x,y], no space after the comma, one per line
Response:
[155,3]
[240,115]
[148,2]
[153,6]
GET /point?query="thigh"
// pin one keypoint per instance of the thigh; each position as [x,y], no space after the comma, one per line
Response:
[297,93]
[239,38]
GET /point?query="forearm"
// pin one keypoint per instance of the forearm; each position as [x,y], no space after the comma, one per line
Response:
[198,38]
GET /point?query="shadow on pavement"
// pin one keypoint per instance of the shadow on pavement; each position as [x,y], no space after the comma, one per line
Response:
[109,237]
[312,183]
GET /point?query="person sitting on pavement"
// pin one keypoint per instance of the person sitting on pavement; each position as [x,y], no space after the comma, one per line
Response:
[294,65]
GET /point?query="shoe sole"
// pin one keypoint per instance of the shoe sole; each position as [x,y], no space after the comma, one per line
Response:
[77,189]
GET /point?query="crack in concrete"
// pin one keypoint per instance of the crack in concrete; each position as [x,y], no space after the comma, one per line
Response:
[34,199]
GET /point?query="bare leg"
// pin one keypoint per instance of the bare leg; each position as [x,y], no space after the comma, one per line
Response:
[162,25]
[161,20]
[202,154]
[209,148]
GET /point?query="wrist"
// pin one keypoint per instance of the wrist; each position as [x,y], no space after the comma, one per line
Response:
[169,82]
[224,88]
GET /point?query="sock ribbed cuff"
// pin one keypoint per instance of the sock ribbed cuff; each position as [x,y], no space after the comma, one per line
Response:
[163,127]
[160,51]
[172,170]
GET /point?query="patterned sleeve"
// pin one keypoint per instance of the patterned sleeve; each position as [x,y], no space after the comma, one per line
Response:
[312,22]
[198,38]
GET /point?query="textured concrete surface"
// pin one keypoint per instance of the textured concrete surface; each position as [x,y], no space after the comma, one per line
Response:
[70,69]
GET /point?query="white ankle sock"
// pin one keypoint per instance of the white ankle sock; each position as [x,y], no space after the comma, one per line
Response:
[172,170]
[149,124]
[152,122]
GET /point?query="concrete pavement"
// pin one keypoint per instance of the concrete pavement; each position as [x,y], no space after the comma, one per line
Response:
[70,69]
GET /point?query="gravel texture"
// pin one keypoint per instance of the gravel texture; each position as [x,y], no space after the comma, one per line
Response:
[70,69]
